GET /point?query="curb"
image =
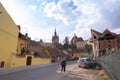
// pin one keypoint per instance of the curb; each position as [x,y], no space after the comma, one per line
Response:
[4,71]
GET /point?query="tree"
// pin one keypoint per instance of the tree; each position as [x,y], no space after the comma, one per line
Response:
[66,43]
[73,47]
[22,51]
[36,54]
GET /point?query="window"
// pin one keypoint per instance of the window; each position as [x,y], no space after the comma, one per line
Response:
[21,45]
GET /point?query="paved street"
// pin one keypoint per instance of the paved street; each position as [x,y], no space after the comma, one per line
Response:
[77,73]
[52,72]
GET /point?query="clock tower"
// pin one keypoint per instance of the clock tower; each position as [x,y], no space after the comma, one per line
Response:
[55,39]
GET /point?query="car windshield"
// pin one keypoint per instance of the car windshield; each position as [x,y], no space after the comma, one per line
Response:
[82,60]
[88,60]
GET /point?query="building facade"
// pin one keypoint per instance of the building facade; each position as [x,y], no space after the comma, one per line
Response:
[14,45]
[78,42]
[29,52]
[22,43]
[8,37]
[79,47]
[104,41]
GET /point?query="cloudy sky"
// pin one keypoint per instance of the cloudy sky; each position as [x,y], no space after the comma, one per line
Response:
[39,18]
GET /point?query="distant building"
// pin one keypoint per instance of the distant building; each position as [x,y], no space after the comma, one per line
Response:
[78,47]
[56,54]
[103,41]
[53,44]
[36,49]
[78,42]
[55,39]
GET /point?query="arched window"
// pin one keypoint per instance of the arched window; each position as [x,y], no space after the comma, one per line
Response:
[21,45]
[22,48]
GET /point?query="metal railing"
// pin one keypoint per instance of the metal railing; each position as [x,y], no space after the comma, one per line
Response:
[111,64]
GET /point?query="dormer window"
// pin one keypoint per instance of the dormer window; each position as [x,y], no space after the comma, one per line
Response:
[95,37]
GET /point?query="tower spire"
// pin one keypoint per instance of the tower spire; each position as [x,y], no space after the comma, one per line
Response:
[55,32]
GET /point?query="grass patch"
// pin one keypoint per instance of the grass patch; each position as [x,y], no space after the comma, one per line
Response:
[104,75]
[106,79]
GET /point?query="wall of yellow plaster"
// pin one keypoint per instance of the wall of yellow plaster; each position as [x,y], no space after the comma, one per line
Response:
[40,61]
[80,55]
[8,37]
[18,61]
[21,61]
[83,54]
[76,55]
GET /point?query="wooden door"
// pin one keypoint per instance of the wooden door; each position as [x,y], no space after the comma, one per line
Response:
[29,59]
[2,64]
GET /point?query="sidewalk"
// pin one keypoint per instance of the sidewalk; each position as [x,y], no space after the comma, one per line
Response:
[21,68]
[76,73]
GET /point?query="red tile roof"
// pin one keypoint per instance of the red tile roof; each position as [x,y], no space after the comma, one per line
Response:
[55,52]
[104,33]
[76,39]
[108,32]
[97,33]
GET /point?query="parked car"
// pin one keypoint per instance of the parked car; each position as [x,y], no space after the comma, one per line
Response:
[88,63]
[82,62]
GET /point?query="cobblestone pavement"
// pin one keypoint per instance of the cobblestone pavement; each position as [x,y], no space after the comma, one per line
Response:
[76,73]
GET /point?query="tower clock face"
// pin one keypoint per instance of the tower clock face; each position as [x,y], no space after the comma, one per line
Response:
[56,40]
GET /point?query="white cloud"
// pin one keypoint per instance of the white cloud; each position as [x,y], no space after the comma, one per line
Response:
[22,16]
[38,0]
[116,30]
[84,16]
[87,14]
[18,12]
[111,5]
[33,7]
[60,11]
[80,14]
[41,33]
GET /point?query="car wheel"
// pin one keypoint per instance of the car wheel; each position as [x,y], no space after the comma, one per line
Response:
[87,66]
[98,67]
[79,66]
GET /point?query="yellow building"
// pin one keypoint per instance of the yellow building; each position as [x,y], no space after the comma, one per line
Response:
[28,60]
[80,53]
[8,38]
[22,44]
[29,52]
[13,45]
